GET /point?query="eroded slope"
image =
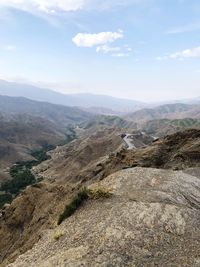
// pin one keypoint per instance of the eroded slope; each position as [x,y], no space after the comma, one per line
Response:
[38,207]
[151,219]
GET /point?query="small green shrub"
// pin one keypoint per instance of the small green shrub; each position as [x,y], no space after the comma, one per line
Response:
[75,203]
[57,235]
[98,193]
[80,198]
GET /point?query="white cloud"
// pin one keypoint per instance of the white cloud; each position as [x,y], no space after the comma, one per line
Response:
[162,58]
[10,48]
[102,38]
[54,6]
[129,49]
[108,49]
[45,6]
[120,55]
[107,4]
[102,41]
[123,52]
[187,53]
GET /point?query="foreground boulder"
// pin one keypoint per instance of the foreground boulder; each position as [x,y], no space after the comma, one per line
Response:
[152,218]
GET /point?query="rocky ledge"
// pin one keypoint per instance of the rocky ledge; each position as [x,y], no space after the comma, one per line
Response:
[152,218]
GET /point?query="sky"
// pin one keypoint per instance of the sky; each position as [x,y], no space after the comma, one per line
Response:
[148,50]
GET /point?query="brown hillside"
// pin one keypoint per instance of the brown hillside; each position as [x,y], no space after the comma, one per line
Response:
[38,207]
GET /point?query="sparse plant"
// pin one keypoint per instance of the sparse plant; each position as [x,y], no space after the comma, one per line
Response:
[98,193]
[75,203]
[80,198]
[57,235]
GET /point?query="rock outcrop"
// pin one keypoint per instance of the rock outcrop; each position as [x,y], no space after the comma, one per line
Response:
[178,151]
[33,211]
[151,219]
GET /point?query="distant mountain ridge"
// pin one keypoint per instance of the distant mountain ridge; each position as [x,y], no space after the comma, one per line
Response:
[58,114]
[27,125]
[169,111]
[163,127]
[84,100]
[21,134]
[93,103]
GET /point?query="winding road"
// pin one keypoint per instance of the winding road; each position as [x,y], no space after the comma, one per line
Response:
[128,142]
[132,141]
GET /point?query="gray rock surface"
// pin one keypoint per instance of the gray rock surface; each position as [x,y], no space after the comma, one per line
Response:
[151,219]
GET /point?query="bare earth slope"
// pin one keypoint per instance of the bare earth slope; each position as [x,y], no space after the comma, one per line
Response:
[165,127]
[21,134]
[38,207]
[80,158]
[161,215]
[152,219]
[178,151]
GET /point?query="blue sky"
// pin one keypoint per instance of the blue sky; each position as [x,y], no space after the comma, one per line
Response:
[147,50]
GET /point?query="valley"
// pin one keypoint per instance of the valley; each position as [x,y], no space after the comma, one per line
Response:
[100,170]
[39,206]
[21,177]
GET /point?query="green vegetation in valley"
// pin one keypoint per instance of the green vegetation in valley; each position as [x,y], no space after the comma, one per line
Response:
[5,198]
[21,171]
[22,177]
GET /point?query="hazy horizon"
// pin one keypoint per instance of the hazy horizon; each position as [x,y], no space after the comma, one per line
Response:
[44,86]
[146,50]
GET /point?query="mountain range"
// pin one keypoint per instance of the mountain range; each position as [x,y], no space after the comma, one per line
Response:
[167,111]
[91,199]
[99,104]
[58,114]
[27,125]
[94,102]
